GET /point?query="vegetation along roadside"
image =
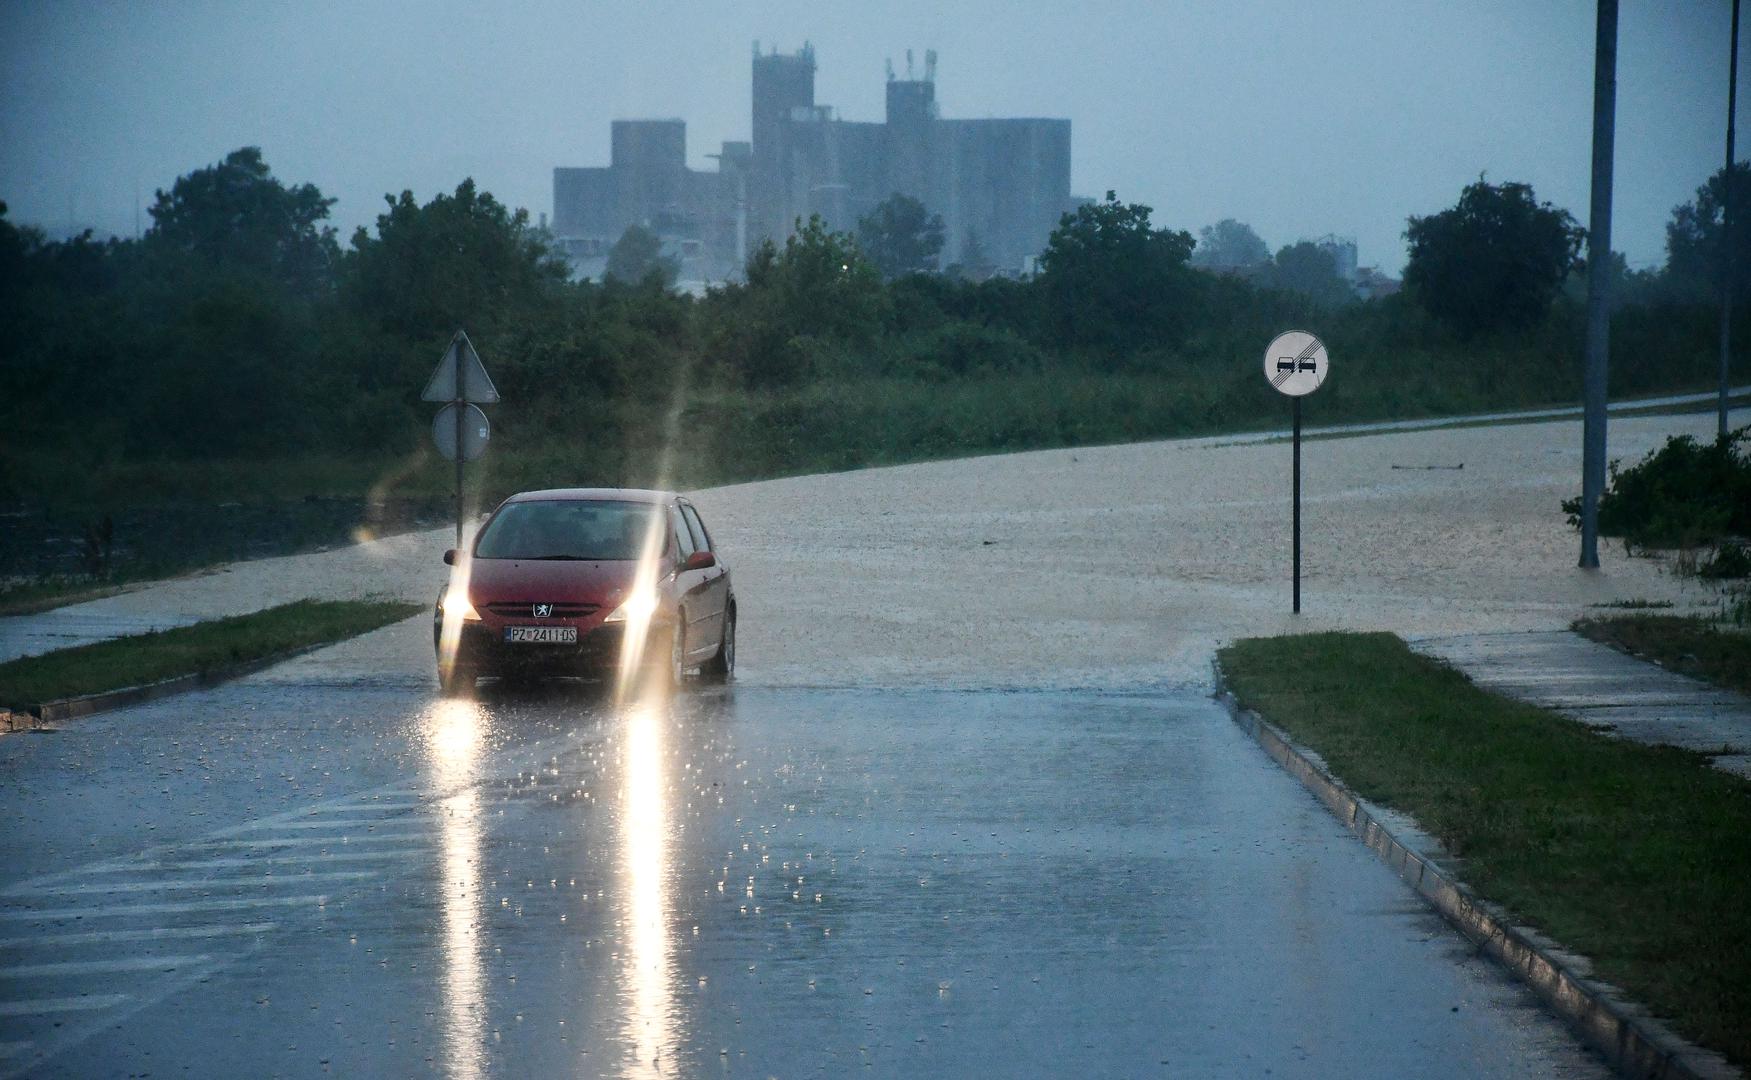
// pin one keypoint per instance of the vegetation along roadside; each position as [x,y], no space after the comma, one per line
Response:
[1634,856]
[191,650]
[1688,644]
[254,357]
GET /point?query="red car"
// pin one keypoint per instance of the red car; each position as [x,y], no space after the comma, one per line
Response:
[582,581]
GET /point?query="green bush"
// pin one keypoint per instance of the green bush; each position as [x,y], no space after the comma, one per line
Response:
[1682,495]
[1731,560]
[957,349]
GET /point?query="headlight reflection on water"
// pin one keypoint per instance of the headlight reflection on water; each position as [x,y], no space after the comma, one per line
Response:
[455,740]
[651,1017]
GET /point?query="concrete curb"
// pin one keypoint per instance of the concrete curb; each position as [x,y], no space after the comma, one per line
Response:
[1631,1041]
[51,714]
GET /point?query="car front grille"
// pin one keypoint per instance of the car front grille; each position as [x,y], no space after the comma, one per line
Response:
[525,609]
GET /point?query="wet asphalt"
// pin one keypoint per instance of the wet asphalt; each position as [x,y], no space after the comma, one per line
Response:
[329,870]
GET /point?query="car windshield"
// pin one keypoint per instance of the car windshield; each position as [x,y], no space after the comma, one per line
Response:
[567,529]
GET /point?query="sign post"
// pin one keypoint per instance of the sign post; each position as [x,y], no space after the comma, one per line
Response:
[460,429]
[1296,364]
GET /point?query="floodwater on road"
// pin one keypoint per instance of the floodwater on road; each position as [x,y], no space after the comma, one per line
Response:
[968,811]
[322,871]
[1095,566]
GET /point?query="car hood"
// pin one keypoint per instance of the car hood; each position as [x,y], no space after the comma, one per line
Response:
[549,581]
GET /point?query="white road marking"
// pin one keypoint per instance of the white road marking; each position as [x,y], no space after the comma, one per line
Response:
[161,933]
[382,848]
[255,881]
[266,860]
[43,1006]
[101,967]
[313,841]
[128,910]
[357,807]
[322,823]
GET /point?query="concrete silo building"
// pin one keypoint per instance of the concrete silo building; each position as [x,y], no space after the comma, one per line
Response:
[999,184]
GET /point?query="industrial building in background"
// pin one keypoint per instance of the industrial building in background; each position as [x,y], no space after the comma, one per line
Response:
[1000,186]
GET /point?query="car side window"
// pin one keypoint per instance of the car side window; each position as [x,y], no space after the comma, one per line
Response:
[683,537]
[701,541]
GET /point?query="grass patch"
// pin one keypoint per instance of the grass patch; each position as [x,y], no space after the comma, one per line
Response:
[29,597]
[1688,644]
[190,650]
[1636,856]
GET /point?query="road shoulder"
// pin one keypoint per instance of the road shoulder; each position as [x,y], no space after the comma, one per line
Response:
[1603,1016]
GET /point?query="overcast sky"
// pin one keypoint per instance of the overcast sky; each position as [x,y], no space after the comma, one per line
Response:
[1300,118]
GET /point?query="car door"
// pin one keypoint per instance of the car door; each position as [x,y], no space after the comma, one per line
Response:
[692,590]
[715,596]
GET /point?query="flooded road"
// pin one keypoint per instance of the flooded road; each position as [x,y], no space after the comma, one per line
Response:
[328,870]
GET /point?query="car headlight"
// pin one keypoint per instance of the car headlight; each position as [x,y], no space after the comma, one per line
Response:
[636,608]
[456,604]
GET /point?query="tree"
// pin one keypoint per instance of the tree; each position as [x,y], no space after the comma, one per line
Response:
[1309,269]
[1693,236]
[461,260]
[822,283]
[1112,281]
[818,290]
[1495,261]
[638,255]
[900,237]
[975,263]
[238,215]
[1229,245]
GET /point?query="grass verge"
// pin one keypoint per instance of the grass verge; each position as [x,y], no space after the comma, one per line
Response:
[1688,644]
[1636,856]
[191,650]
[31,597]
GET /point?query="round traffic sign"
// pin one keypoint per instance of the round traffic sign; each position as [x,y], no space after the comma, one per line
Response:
[1296,363]
[475,432]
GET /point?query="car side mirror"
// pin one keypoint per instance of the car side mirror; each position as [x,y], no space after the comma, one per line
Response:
[450,557]
[699,560]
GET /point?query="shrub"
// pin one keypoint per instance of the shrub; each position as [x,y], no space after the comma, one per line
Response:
[961,348]
[1684,494]
[1731,560]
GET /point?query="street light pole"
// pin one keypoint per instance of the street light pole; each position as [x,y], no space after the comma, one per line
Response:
[1727,221]
[1598,282]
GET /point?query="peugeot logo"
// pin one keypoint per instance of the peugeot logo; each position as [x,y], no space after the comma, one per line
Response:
[542,611]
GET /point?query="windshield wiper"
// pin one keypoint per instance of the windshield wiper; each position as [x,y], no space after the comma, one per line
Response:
[563,558]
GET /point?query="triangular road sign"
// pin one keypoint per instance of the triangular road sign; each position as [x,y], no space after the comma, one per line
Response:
[476,386]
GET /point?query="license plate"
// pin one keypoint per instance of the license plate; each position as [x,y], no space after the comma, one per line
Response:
[542,635]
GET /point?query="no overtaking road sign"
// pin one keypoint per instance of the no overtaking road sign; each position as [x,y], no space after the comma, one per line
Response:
[1296,364]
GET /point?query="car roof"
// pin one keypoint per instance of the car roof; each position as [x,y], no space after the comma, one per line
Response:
[645,495]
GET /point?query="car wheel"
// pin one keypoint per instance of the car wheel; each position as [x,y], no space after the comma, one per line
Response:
[664,668]
[722,667]
[678,653]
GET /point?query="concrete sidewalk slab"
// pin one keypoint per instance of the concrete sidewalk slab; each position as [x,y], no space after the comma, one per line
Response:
[1606,689]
